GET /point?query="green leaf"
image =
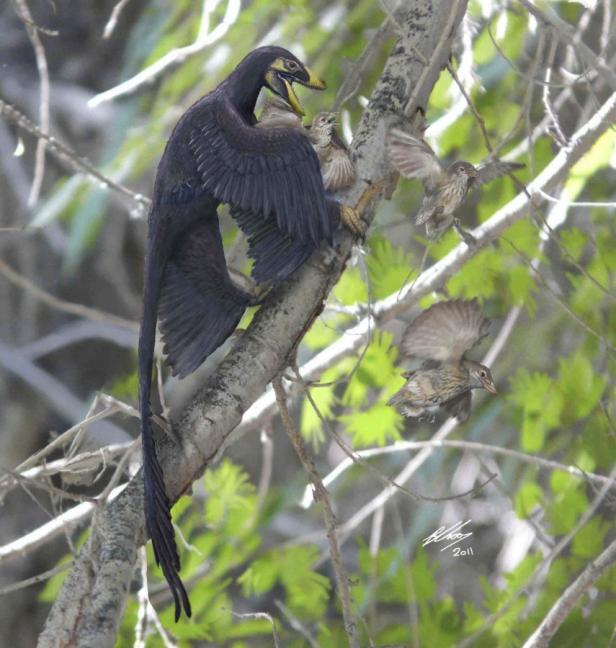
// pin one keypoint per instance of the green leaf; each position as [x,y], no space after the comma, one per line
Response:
[229,489]
[541,402]
[588,541]
[527,498]
[375,426]
[581,386]
[389,267]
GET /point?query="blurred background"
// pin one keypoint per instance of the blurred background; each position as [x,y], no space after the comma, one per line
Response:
[109,80]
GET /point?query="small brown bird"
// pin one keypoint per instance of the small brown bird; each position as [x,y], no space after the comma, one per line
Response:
[445,188]
[277,114]
[337,168]
[441,336]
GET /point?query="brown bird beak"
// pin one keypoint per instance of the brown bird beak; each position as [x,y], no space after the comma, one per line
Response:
[489,386]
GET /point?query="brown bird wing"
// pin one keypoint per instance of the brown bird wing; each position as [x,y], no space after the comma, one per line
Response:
[413,158]
[460,406]
[338,171]
[445,331]
[491,170]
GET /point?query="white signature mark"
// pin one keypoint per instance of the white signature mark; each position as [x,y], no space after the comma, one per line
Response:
[444,534]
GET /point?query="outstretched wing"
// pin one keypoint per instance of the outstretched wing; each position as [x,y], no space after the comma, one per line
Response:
[273,172]
[338,170]
[445,331]
[413,158]
[492,170]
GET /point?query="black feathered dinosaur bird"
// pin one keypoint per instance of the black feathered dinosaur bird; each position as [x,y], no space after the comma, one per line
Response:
[441,336]
[445,188]
[272,181]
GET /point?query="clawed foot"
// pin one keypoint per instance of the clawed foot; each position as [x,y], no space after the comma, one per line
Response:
[352,221]
[464,234]
[260,293]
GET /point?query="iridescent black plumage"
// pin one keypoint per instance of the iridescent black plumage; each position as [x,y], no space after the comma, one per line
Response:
[215,155]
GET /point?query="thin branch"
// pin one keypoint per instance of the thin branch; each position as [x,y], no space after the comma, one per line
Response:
[71,158]
[176,56]
[43,72]
[570,597]
[35,580]
[474,446]
[260,615]
[113,18]
[42,535]
[567,35]
[73,308]
[320,495]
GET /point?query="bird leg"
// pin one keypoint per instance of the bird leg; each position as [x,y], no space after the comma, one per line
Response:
[352,221]
[464,234]
[260,293]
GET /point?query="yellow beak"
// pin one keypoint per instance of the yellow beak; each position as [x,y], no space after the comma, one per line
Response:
[293,100]
[314,81]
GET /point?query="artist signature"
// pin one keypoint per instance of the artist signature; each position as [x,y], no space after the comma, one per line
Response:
[452,535]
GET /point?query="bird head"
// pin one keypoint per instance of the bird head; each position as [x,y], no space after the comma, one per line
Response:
[325,121]
[463,169]
[282,69]
[480,377]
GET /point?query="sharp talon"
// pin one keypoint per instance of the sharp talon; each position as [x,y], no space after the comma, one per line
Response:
[465,235]
[260,294]
[352,221]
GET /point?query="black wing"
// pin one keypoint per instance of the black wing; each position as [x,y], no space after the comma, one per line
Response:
[276,255]
[272,172]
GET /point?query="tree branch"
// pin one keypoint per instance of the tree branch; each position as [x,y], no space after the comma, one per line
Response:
[570,597]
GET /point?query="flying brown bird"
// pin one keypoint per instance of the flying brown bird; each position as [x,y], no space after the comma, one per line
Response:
[445,188]
[337,168]
[440,336]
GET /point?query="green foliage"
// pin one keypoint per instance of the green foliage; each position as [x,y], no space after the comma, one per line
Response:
[307,591]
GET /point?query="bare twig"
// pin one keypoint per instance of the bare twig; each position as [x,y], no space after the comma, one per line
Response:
[474,446]
[320,494]
[35,580]
[41,64]
[113,18]
[176,56]
[567,34]
[261,615]
[69,157]
[59,304]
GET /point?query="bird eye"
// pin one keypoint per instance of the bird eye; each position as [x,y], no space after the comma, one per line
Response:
[292,66]
[483,374]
